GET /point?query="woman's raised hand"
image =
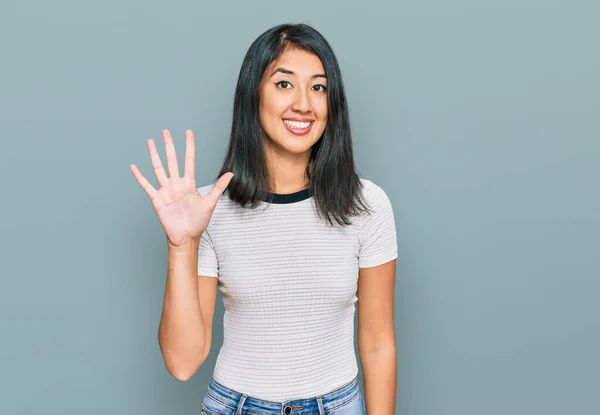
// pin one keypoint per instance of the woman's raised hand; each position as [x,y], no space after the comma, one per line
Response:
[183,213]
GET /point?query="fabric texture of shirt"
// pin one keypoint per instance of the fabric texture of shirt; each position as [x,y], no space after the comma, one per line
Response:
[288,280]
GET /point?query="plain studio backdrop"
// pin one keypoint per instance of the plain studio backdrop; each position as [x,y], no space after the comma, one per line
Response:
[481,120]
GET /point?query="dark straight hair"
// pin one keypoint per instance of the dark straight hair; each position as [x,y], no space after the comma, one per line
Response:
[334,182]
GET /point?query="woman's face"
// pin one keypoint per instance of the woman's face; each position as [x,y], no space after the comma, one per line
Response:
[293,102]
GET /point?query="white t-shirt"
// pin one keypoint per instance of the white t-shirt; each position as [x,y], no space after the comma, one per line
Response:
[288,281]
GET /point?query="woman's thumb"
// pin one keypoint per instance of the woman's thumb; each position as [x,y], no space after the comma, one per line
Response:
[220,186]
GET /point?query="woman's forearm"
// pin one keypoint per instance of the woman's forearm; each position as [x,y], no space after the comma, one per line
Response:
[379,373]
[181,333]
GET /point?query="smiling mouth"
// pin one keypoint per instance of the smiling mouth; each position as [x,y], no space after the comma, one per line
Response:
[298,127]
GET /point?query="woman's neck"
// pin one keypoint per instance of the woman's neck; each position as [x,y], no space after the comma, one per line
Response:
[288,176]
[286,187]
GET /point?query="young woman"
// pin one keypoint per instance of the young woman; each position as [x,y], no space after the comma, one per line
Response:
[298,239]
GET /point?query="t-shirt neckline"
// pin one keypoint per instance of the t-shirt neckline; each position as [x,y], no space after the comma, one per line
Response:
[279,198]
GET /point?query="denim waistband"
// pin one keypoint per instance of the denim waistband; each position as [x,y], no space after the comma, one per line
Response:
[241,402]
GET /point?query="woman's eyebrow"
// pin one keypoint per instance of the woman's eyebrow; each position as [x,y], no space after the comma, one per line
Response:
[288,72]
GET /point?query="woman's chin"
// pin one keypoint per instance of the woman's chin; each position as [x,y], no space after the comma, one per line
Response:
[293,144]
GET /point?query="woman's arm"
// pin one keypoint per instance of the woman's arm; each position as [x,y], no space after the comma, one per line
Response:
[181,334]
[376,340]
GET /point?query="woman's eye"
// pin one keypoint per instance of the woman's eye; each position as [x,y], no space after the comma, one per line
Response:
[282,83]
[287,85]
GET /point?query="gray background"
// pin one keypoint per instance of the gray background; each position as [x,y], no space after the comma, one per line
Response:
[479,119]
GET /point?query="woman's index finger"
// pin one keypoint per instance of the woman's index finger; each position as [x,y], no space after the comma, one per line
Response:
[190,155]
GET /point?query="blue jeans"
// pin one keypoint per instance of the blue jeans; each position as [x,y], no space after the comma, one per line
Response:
[345,400]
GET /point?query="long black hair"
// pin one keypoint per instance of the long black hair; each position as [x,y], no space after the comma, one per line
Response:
[334,182]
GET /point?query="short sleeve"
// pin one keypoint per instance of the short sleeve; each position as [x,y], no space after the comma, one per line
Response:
[208,265]
[378,241]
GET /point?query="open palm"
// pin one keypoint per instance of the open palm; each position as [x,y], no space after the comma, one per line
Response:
[183,213]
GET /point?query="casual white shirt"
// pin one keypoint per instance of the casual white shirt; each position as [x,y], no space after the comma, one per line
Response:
[288,281]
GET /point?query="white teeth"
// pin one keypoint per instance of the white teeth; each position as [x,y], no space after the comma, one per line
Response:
[297,124]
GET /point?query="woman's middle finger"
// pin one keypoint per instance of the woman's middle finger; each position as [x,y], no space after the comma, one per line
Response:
[171,154]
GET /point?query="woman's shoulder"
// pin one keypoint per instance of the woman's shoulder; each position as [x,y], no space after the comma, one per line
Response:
[371,190]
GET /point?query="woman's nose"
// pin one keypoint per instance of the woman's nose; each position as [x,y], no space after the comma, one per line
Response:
[301,102]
